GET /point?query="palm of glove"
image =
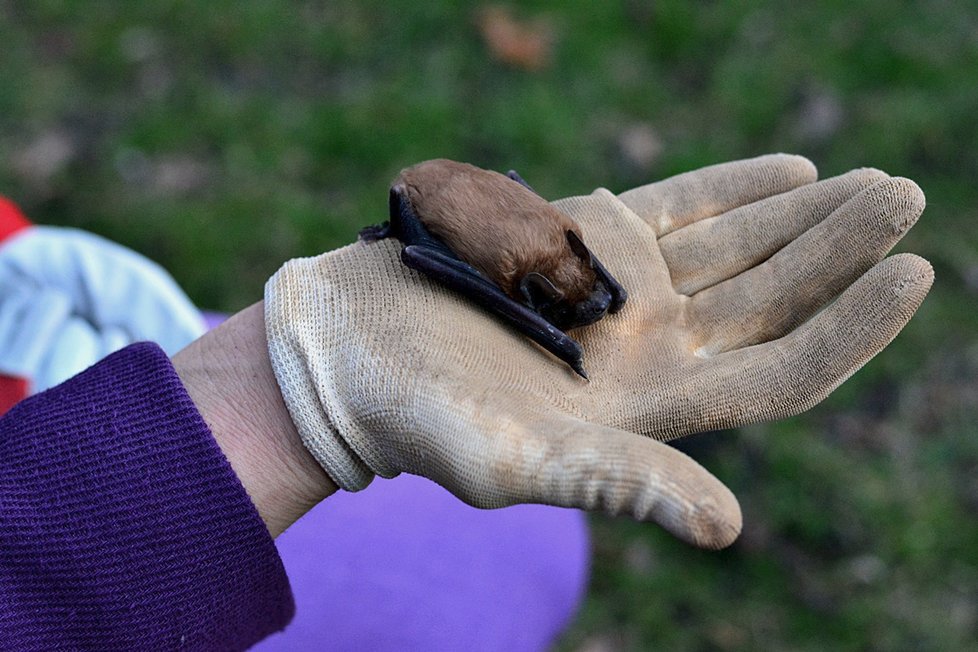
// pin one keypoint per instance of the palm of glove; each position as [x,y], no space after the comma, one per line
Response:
[383,371]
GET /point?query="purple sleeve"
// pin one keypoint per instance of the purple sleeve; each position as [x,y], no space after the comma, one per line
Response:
[122,525]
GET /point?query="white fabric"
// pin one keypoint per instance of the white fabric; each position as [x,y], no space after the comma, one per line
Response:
[69,298]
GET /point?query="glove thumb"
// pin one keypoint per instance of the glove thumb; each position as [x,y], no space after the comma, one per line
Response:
[569,462]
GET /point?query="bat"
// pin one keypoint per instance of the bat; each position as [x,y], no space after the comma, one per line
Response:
[491,238]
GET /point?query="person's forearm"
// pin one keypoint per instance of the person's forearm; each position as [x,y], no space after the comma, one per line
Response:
[229,377]
[117,506]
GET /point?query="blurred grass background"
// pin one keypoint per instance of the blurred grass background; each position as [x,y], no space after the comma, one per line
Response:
[221,138]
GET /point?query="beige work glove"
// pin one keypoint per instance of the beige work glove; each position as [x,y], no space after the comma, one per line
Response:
[753,292]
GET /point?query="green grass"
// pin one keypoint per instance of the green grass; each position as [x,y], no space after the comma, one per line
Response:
[221,138]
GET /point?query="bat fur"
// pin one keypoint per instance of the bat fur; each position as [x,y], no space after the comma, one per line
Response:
[492,238]
[498,226]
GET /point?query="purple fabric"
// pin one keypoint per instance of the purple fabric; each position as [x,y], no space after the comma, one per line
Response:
[213,319]
[122,526]
[404,565]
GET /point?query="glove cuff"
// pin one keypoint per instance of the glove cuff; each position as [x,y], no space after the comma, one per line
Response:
[294,352]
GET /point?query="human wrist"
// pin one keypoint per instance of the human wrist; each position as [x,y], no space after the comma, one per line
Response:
[229,377]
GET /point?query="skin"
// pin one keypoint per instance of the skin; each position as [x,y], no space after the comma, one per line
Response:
[228,375]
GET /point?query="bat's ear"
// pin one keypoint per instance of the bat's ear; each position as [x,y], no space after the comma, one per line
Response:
[539,292]
[579,248]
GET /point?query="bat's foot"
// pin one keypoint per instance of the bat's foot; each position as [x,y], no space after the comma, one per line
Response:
[376,232]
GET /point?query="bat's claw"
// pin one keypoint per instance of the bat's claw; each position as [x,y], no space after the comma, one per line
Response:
[375,232]
[578,367]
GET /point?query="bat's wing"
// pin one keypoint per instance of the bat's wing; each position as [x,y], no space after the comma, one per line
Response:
[461,277]
[405,225]
[618,293]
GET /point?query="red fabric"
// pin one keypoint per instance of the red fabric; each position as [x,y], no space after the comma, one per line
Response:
[12,390]
[12,219]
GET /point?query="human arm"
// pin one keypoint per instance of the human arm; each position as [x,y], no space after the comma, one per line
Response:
[68,298]
[123,526]
[472,406]
[229,377]
[117,505]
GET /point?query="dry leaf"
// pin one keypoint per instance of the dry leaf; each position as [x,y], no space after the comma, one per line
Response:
[527,45]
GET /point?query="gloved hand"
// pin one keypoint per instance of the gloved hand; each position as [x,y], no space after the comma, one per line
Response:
[749,300]
[68,298]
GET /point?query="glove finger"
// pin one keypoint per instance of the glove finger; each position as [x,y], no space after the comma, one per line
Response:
[571,463]
[790,375]
[712,250]
[675,202]
[769,300]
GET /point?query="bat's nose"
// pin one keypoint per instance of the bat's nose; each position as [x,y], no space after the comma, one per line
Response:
[593,308]
[596,307]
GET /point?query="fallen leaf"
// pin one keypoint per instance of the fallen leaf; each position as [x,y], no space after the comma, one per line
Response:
[523,44]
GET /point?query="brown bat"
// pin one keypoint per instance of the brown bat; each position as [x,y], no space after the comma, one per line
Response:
[492,238]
